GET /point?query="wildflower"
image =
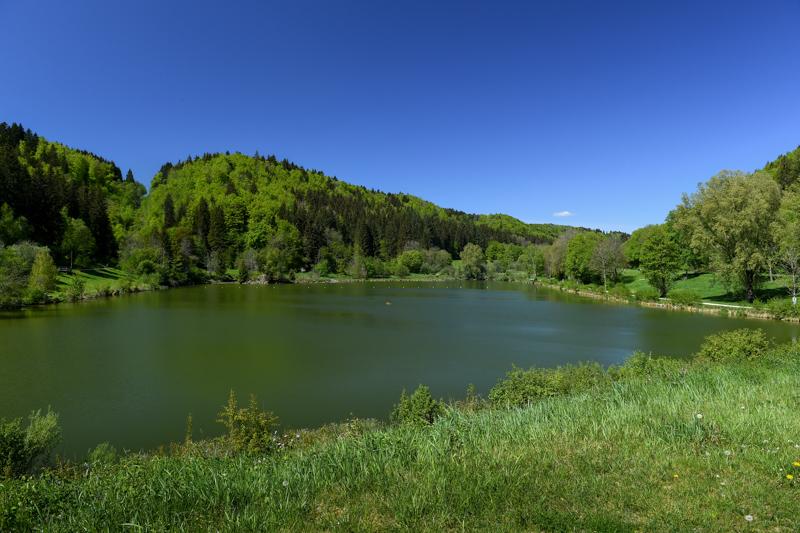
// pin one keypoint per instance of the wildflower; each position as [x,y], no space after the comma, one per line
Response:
[675,476]
[285,483]
[789,477]
[796,464]
[727,452]
[748,517]
[699,416]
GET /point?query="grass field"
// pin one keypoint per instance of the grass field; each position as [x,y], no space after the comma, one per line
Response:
[94,278]
[709,287]
[707,448]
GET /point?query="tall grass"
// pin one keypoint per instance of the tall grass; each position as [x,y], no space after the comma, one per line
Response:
[697,450]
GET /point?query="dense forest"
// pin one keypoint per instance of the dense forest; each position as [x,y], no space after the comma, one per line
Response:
[226,215]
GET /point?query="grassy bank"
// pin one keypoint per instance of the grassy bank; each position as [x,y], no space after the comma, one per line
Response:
[653,446]
[700,292]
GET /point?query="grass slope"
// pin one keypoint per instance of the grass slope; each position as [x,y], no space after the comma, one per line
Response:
[709,287]
[633,456]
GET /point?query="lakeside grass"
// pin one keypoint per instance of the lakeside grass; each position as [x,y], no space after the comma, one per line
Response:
[709,287]
[630,456]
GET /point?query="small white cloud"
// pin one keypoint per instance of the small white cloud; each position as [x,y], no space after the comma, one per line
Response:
[563,214]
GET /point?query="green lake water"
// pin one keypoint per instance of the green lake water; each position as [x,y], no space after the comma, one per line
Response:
[129,370]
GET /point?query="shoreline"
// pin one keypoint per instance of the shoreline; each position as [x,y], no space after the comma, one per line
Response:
[721,310]
[707,308]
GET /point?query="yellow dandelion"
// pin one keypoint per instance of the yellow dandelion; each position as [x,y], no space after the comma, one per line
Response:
[789,477]
[796,463]
[675,476]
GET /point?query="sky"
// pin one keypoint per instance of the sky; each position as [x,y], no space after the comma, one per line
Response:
[597,114]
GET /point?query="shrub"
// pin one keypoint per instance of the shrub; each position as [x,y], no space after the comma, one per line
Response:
[620,291]
[103,454]
[412,260]
[23,450]
[419,409]
[642,364]
[684,297]
[646,294]
[522,387]
[249,428]
[781,308]
[400,270]
[75,289]
[735,345]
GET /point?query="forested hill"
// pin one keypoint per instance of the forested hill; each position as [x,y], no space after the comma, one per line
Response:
[222,205]
[786,168]
[61,197]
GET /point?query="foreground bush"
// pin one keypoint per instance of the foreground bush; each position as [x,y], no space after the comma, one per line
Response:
[419,409]
[22,450]
[736,345]
[249,429]
[522,387]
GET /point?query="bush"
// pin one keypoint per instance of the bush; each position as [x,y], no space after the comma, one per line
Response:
[522,387]
[419,409]
[737,345]
[400,270]
[642,364]
[75,289]
[781,308]
[23,450]
[684,297]
[249,428]
[103,454]
[646,294]
[620,291]
[412,260]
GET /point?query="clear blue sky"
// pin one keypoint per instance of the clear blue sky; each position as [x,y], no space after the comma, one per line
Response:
[608,110]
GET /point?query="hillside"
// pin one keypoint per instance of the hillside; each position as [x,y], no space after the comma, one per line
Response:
[785,168]
[47,188]
[222,210]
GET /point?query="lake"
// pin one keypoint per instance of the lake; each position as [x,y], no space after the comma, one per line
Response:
[129,370]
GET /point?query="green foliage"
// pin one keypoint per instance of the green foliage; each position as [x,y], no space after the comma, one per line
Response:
[633,246]
[786,169]
[12,229]
[419,409]
[102,454]
[684,297]
[43,272]
[22,450]
[473,263]
[731,216]
[645,294]
[412,260]
[659,258]
[735,345]
[645,365]
[18,282]
[620,291]
[578,260]
[781,308]
[607,258]
[249,429]
[78,243]
[532,261]
[522,387]
[75,289]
